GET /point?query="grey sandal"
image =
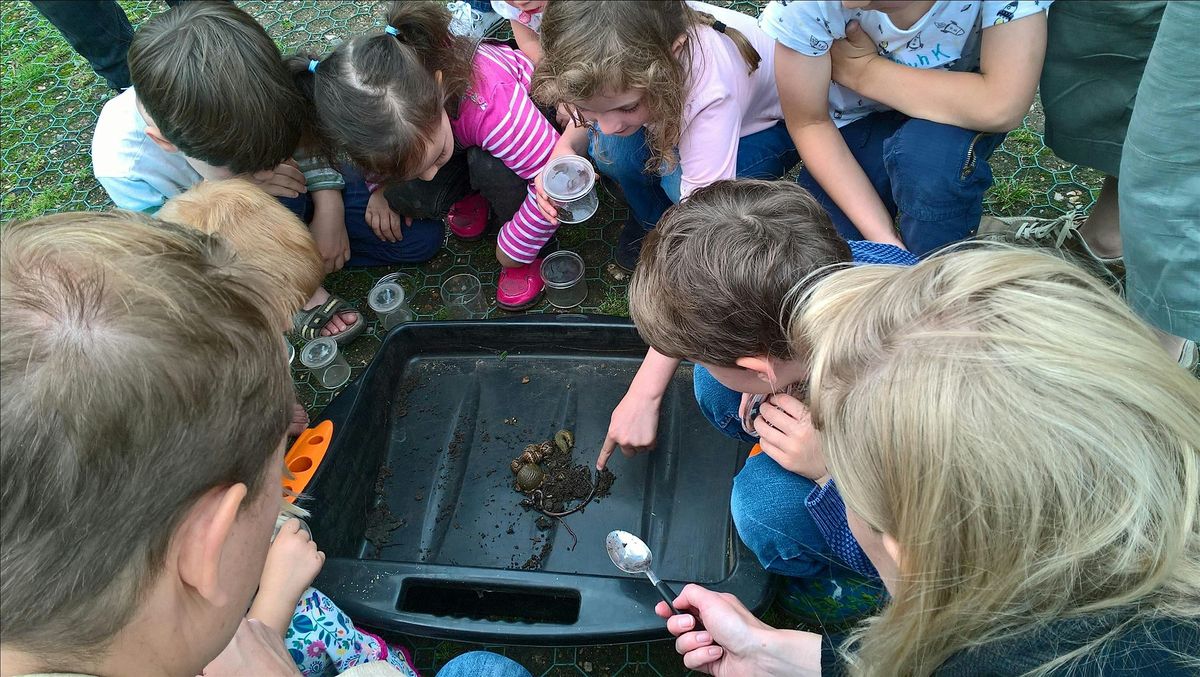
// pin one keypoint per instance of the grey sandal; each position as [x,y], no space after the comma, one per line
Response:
[309,323]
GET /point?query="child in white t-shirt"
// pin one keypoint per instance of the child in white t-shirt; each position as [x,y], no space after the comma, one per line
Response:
[525,19]
[921,92]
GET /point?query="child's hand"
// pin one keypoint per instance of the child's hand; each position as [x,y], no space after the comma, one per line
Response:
[786,434]
[850,57]
[328,230]
[549,210]
[285,180]
[633,427]
[254,650]
[383,221]
[292,563]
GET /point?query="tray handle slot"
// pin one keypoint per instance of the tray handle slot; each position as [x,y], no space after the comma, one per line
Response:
[491,603]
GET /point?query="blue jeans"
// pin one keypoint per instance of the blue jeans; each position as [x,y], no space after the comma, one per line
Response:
[480,663]
[933,174]
[421,240]
[768,154]
[768,501]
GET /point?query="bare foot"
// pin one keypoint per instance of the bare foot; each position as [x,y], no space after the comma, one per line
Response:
[338,323]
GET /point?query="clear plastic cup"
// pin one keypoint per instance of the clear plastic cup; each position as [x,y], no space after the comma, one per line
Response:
[322,357]
[562,272]
[388,302]
[570,183]
[463,296]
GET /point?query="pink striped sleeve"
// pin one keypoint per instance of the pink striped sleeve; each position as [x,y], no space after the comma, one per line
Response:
[517,133]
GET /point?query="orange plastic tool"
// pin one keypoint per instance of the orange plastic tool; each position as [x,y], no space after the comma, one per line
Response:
[755,450]
[305,456]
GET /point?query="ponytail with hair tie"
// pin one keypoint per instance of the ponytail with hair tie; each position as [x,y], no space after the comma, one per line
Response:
[391,30]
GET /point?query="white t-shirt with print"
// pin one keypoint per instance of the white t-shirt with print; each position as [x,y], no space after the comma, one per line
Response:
[531,20]
[947,36]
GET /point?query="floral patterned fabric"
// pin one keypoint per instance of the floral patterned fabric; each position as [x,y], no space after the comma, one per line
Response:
[323,641]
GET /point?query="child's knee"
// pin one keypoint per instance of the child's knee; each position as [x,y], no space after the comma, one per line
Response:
[621,158]
[939,168]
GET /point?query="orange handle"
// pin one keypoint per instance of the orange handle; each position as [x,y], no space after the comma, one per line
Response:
[755,450]
[305,456]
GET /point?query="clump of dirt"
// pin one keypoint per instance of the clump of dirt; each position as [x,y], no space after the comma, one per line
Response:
[380,525]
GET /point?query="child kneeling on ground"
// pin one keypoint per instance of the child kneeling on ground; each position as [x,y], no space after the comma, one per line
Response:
[710,286]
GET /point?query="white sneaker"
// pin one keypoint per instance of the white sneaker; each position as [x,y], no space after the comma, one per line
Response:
[468,21]
[1060,233]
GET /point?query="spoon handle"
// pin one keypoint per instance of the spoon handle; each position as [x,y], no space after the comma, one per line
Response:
[668,595]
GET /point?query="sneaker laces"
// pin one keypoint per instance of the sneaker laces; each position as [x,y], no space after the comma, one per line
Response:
[465,21]
[1059,229]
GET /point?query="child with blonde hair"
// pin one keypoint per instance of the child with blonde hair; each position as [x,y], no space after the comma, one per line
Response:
[448,128]
[668,96]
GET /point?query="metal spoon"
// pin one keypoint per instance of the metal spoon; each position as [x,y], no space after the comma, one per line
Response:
[633,556]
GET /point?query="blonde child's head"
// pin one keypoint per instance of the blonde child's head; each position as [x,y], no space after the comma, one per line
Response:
[622,64]
[262,231]
[1021,437]
[385,98]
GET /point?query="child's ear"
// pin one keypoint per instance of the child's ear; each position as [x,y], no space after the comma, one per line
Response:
[203,538]
[760,365]
[892,548]
[159,140]
[677,46]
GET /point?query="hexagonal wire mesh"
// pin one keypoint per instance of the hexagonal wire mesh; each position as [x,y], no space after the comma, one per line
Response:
[48,106]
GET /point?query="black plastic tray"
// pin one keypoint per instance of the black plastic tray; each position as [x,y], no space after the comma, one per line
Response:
[444,407]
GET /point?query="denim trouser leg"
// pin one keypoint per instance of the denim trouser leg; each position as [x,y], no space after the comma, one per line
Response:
[768,501]
[623,159]
[768,154]
[719,404]
[421,240]
[98,30]
[480,663]
[865,139]
[938,174]
[933,174]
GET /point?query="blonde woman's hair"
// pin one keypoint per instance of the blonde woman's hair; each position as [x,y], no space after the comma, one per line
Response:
[1023,438]
[603,47]
[263,232]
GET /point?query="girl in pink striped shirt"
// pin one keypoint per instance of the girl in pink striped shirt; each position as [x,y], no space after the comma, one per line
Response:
[449,127]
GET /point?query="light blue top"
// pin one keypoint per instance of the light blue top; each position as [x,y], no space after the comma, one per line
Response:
[136,172]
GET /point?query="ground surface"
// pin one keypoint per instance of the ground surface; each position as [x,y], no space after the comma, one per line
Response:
[49,100]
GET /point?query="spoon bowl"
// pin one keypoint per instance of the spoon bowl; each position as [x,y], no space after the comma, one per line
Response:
[631,555]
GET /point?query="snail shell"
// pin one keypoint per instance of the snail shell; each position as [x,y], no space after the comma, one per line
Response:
[515,466]
[529,477]
[546,448]
[565,440]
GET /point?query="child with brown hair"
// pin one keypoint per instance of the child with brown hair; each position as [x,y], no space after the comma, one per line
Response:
[710,286]
[236,111]
[668,97]
[447,126]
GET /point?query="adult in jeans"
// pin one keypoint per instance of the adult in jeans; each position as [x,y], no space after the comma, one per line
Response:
[1031,509]
[142,430]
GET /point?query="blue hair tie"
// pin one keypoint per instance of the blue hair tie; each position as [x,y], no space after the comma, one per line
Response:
[312,65]
[391,30]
